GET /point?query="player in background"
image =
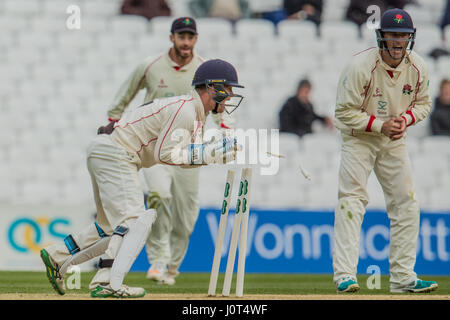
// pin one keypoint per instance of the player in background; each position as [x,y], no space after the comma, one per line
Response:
[175,191]
[168,131]
[380,94]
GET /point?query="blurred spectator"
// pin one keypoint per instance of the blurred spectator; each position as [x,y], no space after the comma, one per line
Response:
[297,114]
[146,8]
[304,10]
[357,10]
[436,53]
[445,19]
[232,10]
[441,50]
[440,117]
[400,4]
[271,10]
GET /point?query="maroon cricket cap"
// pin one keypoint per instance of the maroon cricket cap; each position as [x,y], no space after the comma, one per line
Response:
[184,24]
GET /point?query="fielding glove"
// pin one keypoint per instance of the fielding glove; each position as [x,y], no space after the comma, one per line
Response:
[154,200]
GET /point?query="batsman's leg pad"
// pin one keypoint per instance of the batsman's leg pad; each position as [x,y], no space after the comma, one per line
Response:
[105,263]
[103,274]
[87,254]
[74,243]
[71,245]
[101,233]
[132,244]
[84,239]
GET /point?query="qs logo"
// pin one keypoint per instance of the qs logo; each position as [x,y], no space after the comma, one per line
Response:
[27,234]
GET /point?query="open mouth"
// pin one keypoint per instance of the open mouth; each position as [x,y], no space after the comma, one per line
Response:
[397,50]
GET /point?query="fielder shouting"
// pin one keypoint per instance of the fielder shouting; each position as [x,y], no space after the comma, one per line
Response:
[383,91]
[167,131]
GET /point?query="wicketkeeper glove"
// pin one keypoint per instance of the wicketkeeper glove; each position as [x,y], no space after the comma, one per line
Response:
[221,151]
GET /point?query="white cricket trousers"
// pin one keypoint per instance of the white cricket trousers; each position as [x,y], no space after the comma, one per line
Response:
[117,191]
[178,188]
[390,161]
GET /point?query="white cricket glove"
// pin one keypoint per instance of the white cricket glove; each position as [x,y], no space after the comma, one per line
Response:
[220,152]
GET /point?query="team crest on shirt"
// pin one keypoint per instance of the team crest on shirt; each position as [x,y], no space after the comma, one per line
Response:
[162,84]
[407,89]
[382,107]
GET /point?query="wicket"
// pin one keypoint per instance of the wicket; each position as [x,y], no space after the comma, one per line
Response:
[239,229]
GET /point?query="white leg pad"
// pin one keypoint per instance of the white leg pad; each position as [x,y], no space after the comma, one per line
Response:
[103,274]
[86,254]
[132,244]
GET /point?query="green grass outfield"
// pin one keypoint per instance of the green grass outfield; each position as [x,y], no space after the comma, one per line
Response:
[197,283]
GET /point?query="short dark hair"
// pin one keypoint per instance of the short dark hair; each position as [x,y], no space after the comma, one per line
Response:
[443,83]
[304,83]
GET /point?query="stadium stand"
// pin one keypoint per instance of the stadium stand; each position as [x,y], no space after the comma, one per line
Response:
[56,85]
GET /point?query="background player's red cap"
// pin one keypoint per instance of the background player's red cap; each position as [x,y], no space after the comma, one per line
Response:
[184,24]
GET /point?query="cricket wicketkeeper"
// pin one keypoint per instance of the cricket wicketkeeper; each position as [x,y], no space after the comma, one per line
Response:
[142,137]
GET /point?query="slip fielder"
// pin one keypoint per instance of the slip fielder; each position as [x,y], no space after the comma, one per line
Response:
[383,91]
